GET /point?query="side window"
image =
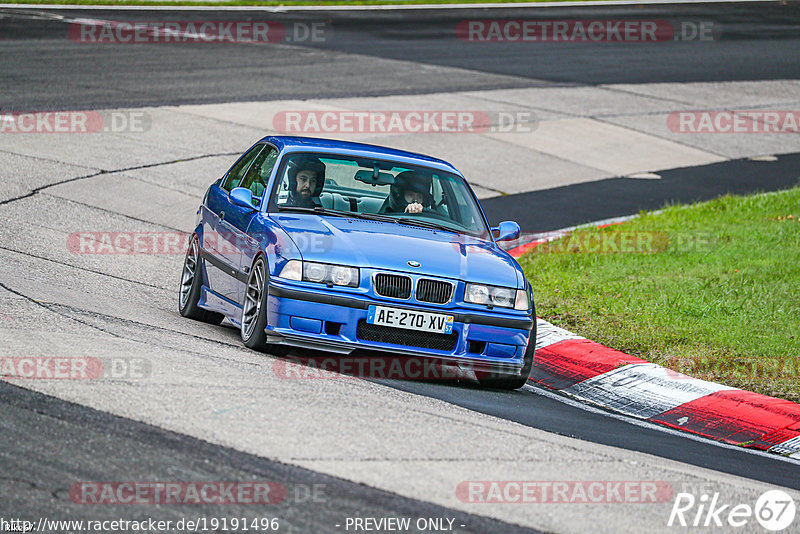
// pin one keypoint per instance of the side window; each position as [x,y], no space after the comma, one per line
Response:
[235,175]
[257,175]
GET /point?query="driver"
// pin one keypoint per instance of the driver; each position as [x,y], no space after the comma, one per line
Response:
[306,179]
[410,193]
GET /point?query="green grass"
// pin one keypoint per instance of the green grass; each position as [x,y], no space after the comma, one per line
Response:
[265,2]
[711,289]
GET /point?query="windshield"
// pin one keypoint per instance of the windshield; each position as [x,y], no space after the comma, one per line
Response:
[377,189]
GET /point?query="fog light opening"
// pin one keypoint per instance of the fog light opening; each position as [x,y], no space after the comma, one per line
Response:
[476,347]
[332,329]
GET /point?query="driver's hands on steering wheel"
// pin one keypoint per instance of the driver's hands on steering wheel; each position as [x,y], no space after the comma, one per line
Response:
[414,207]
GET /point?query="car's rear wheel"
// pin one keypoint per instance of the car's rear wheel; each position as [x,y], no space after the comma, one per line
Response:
[514,382]
[254,311]
[189,291]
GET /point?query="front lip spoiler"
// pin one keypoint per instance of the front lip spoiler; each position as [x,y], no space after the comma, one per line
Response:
[348,302]
[345,348]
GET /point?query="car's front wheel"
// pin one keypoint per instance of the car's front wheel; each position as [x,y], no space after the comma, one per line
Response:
[254,311]
[515,382]
[189,291]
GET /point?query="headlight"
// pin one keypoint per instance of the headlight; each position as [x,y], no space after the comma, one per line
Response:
[502,297]
[343,276]
[477,294]
[315,272]
[293,270]
[324,273]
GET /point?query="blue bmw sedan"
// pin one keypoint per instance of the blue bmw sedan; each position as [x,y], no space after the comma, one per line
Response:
[340,246]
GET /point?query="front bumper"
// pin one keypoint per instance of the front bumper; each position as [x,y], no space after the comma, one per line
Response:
[326,321]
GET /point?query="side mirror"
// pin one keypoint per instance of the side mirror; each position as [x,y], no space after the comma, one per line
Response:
[242,197]
[506,231]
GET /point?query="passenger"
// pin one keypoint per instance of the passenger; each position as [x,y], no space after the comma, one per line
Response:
[410,193]
[306,179]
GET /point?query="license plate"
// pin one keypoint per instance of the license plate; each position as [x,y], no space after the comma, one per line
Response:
[411,320]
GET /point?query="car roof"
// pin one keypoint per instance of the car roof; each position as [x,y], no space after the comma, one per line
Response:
[333,146]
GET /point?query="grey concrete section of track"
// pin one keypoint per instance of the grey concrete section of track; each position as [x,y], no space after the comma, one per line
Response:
[379,53]
[577,135]
[49,447]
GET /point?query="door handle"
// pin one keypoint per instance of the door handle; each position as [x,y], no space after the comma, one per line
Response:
[222,216]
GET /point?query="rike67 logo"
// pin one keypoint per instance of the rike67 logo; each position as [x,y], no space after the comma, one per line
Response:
[774,510]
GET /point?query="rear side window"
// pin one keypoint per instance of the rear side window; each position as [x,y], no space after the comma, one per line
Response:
[237,172]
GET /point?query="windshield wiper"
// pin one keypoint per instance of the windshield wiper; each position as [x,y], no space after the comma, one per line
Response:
[425,224]
[402,220]
[373,217]
[317,209]
[339,213]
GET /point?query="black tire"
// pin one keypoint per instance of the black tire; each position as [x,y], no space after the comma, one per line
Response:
[254,311]
[189,289]
[514,382]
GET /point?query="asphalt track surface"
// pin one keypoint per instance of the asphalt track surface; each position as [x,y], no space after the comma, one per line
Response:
[571,205]
[55,440]
[531,409]
[43,69]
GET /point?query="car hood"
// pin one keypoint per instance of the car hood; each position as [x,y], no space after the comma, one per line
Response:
[390,246]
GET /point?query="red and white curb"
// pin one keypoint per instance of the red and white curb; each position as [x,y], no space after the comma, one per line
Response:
[592,373]
[595,374]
